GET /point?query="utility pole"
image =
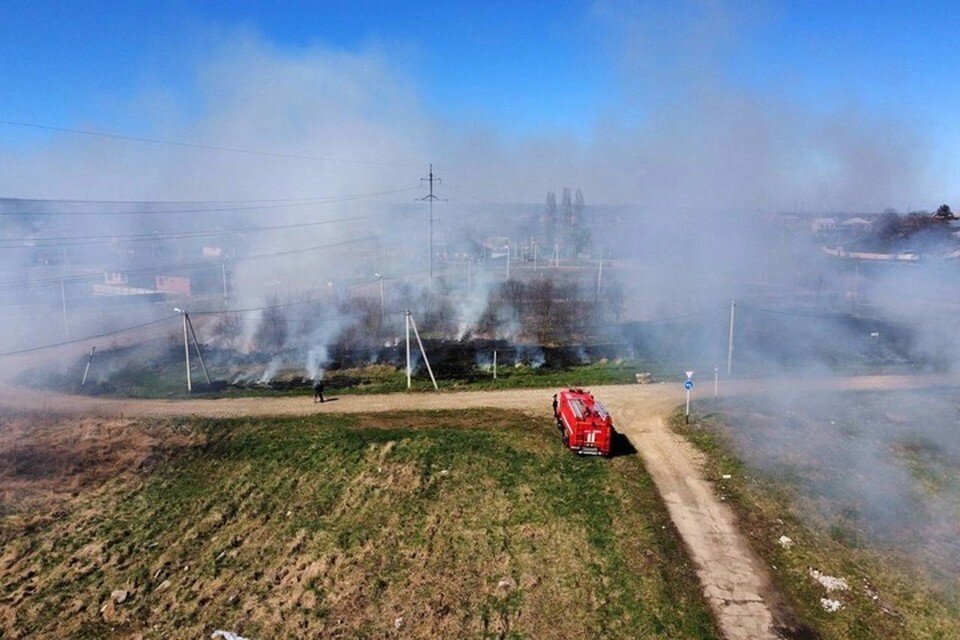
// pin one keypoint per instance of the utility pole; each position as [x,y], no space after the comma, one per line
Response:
[382,306]
[733,311]
[196,344]
[600,274]
[508,259]
[223,272]
[407,319]
[86,369]
[856,286]
[423,352]
[63,306]
[186,349]
[430,198]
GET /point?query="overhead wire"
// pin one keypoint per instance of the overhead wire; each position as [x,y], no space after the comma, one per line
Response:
[107,334]
[796,314]
[20,284]
[218,209]
[67,241]
[207,147]
[97,336]
[686,316]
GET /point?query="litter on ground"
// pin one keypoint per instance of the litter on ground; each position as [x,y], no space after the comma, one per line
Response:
[830,605]
[830,583]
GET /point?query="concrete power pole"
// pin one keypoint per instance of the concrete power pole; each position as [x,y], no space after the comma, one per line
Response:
[430,198]
[600,275]
[410,323]
[196,344]
[733,311]
[508,259]
[186,350]
[63,308]
[407,319]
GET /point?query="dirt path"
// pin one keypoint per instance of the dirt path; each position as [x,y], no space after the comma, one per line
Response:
[734,579]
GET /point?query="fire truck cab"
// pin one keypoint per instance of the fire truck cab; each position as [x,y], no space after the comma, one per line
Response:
[584,423]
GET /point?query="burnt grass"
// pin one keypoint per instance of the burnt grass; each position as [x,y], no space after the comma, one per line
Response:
[840,343]
[433,525]
[156,369]
[785,474]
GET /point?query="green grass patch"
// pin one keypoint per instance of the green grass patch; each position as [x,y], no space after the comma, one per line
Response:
[430,524]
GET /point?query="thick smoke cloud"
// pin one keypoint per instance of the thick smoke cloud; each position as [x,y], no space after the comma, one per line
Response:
[689,159]
[697,155]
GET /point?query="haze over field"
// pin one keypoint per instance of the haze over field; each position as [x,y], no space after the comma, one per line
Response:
[580,194]
[674,114]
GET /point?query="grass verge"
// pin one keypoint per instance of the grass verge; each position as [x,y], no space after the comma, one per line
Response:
[167,380]
[886,597]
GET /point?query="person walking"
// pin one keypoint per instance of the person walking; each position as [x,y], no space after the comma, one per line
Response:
[318,391]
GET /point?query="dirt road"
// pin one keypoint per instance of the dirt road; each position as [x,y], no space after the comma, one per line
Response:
[735,581]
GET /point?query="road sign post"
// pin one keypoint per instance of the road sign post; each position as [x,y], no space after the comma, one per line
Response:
[716,381]
[688,385]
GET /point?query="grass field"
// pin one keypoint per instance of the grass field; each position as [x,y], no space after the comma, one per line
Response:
[167,380]
[464,524]
[779,490]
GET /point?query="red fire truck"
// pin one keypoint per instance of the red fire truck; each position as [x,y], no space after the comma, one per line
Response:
[586,426]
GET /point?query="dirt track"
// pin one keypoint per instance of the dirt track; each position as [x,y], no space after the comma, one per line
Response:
[735,581]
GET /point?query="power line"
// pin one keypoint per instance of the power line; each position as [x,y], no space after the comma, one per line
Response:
[798,314]
[466,193]
[65,343]
[304,203]
[283,305]
[19,284]
[157,202]
[67,241]
[687,316]
[207,147]
[114,332]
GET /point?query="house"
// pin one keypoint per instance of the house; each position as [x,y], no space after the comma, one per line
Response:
[856,222]
[820,225]
[174,285]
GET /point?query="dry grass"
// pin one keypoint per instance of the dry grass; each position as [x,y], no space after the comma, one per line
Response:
[424,525]
[889,595]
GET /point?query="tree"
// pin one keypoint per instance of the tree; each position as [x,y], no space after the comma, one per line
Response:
[271,334]
[944,214]
[567,205]
[226,331]
[578,203]
[550,217]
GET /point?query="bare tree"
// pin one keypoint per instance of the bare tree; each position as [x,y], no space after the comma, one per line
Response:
[226,330]
[271,334]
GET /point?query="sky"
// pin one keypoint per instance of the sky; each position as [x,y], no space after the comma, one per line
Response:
[519,71]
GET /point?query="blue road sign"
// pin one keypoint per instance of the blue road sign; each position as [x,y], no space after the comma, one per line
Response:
[688,385]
